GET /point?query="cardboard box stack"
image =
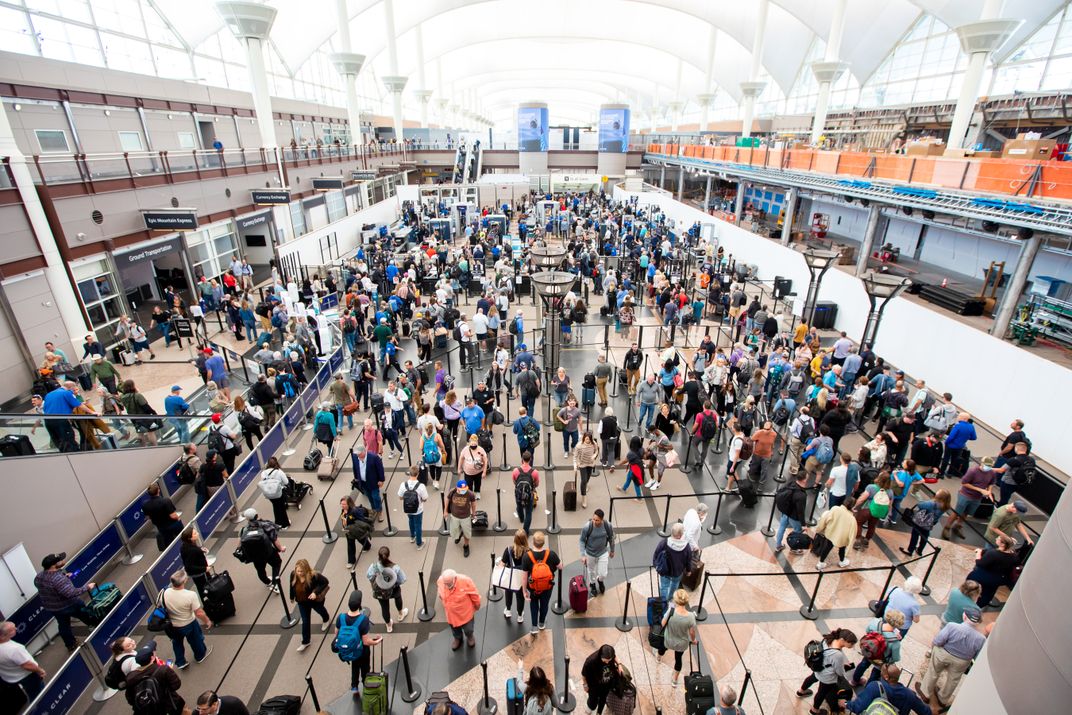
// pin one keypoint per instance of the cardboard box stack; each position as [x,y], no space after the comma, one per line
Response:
[1029,145]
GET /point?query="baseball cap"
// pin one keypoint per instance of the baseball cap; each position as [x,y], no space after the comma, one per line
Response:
[988,461]
[145,654]
[215,419]
[973,614]
[97,357]
[461,484]
[176,388]
[53,559]
[250,514]
[1020,505]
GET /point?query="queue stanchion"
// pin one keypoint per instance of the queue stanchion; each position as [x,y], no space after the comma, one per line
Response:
[503,466]
[312,692]
[330,536]
[664,531]
[443,530]
[390,530]
[873,605]
[549,465]
[629,414]
[625,625]
[425,614]
[718,436]
[509,392]
[768,530]
[498,526]
[412,691]
[715,529]
[495,593]
[615,377]
[926,590]
[809,610]
[554,528]
[780,476]
[565,702]
[288,620]
[606,341]
[818,490]
[558,607]
[487,704]
[701,612]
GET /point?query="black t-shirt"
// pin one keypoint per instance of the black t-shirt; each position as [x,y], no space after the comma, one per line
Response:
[692,392]
[213,473]
[537,556]
[159,510]
[998,562]
[230,705]
[1014,438]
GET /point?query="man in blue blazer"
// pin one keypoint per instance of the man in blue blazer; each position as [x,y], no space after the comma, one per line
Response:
[368,477]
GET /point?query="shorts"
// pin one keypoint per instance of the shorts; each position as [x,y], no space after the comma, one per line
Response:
[460,527]
[141,345]
[222,382]
[966,506]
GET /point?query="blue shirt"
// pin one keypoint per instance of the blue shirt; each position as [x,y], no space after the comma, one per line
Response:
[175,405]
[830,379]
[474,419]
[216,366]
[903,601]
[907,479]
[960,435]
[59,402]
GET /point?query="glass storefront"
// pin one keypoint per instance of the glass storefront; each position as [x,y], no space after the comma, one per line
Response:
[101,296]
[211,249]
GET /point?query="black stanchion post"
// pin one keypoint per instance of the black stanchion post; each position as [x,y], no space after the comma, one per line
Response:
[768,530]
[625,625]
[871,605]
[926,590]
[665,531]
[503,466]
[487,705]
[549,465]
[412,692]
[614,378]
[498,526]
[554,528]
[443,530]
[425,614]
[818,489]
[684,467]
[330,536]
[312,692]
[700,611]
[628,413]
[718,436]
[606,341]
[558,606]
[715,529]
[744,686]
[565,702]
[288,620]
[508,420]
[809,610]
[780,476]
[390,530]
[495,593]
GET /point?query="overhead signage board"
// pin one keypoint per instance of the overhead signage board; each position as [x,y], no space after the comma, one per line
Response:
[270,197]
[363,175]
[253,220]
[156,250]
[170,220]
[328,183]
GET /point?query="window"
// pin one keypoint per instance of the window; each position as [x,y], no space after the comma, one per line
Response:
[336,205]
[104,305]
[130,141]
[186,140]
[297,217]
[52,141]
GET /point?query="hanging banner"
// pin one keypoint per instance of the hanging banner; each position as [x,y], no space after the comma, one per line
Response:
[175,220]
[270,197]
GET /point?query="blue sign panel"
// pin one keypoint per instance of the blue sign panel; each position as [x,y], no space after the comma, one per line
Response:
[169,562]
[64,689]
[270,444]
[132,518]
[329,301]
[532,129]
[323,377]
[311,397]
[212,513]
[336,360]
[87,562]
[170,478]
[245,473]
[293,417]
[614,129]
[123,619]
[30,619]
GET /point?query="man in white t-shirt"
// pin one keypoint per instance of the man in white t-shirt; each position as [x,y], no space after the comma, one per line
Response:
[837,481]
[415,509]
[17,666]
[188,619]
[480,326]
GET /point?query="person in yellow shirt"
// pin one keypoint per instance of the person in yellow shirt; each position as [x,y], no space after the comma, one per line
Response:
[816,364]
[799,334]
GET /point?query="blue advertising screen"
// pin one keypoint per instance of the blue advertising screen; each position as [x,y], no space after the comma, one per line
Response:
[212,513]
[123,619]
[64,689]
[614,130]
[87,562]
[532,129]
[169,562]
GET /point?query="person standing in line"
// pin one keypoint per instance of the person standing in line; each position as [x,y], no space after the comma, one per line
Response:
[59,596]
[537,692]
[649,394]
[833,667]
[570,416]
[175,406]
[188,619]
[585,461]
[792,501]
[273,486]
[705,428]
[1008,445]
[540,565]
[952,652]
[387,578]
[512,559]
[473,463]
[224,440]
[839,526]
[194,559]
[603,372]
[976,485]
[161,511]
[353,642]
[923,518]
[262,539]
[671,560]
[356,526]
[800,433]
[212,703]
[461,509]
[889,688]
[368,478]
[600,673]
[166,681]
[679,631]
[526,490]
[413,495]
[18,669]
[461,601]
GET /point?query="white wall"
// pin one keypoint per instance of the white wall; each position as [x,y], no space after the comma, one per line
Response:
[347,231]
[993,379]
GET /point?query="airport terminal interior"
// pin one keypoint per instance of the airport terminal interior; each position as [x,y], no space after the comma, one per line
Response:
[447,357]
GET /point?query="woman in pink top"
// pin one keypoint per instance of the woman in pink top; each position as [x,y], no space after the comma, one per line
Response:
[373,438]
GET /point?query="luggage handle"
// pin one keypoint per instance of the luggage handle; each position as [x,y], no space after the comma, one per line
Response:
[695,670]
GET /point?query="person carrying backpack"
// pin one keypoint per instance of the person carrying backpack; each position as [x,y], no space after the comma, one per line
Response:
[353,643]
[880,645]
[740,452]
[705,427]
[259,541]
[273,486]
[387,578]
[413,495]
[801,432]
[597,548]
[872,507]
[526,484]
[152,688]
[792,501]
[887,695]
[818,453]
[1019,470]
[828,663]
[527,431]
[540,565]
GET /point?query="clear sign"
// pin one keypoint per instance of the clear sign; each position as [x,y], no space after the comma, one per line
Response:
[90,560]
[64,689]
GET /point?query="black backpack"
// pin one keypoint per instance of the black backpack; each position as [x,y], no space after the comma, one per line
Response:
[1025,473]
[216,441]
[149,697]
[411,500]
[187,475]
[708,427]
[781,416]
[523,487]
[115,678]
[256,546]
[783,499]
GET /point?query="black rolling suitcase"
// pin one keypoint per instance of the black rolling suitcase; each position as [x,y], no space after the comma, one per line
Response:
[16,445]
[569,496]
[480,521]
[746,488]
[699,688]
[219,606]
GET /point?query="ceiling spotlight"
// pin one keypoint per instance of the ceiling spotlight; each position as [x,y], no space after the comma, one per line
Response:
[990,226]
[907,210]
[1023,233]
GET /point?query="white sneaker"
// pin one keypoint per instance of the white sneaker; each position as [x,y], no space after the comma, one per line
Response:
[843,563]
[820,566]
[516,516]
[565,455]
[647,484]
[390,627]
[325,626]
[655,485]
[302,647]
[402,614]
[478,497]
[507,613]
[520,618]
[674,684]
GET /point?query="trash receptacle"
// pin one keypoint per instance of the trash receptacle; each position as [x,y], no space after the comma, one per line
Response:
[825,315]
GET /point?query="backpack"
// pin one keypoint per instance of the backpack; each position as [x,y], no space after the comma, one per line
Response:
[440,697]
[483,438]
[186,474]
[783,499]
[523,487]
[541,578]
[148,697]
[815,655]
[248,421]
[254,542]
[925,519]
[411,500]
[348,643]
[807,430]
[824,452]
[513,326]
[880,504]
[873,646]
[781,416]
[431,451]
[448,383]
[661,562]
[708,427]
[216,441]
[796,381]
[115,678]
[1025,473]
[747,447]
[531,432]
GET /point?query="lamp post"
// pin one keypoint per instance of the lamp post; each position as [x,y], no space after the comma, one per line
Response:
[819,261]
[551,284]
[881,289]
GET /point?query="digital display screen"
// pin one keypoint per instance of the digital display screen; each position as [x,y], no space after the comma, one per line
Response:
[614,130]
[532,129]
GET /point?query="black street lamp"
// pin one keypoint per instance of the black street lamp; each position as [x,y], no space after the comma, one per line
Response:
[881,289]
[819,261]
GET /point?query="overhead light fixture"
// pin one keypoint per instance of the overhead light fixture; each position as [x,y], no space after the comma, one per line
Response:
[1023,233]
[18,107]
[990,226]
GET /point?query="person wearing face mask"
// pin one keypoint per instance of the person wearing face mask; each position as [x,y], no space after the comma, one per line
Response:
[976,485]
[461,508]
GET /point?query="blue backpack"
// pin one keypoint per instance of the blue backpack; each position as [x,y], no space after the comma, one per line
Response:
[824,452]
[431,451]
[348,643]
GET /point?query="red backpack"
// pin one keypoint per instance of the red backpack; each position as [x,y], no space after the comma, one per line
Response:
[541,578]
[873,646]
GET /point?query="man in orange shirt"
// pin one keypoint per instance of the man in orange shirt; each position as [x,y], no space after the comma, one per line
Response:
[461,600]
[762,450]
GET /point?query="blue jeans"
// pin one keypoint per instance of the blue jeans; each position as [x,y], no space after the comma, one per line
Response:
[165,330]
[351,341]
[524,513]
[415,525]
[560,397]
[1007,490]
[629,478]
[411,414]
[182,430]
[305,609]
[375,502]
[784,522]
[538,606]
[339,415]
[569,439]
[191,632]
[667,586]
[863,665]
[63,622]
[895,509]
[251,329]
[649,410]
[529,403]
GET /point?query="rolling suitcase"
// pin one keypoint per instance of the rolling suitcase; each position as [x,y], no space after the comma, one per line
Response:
[312,460]
[569,496]
[691,580]
[588,396]
[295,492]
[219,585]
[699,688]
[328,467]
[128,357]
[747,491]
[281,705]
[374,693]
[219,607]
[480,521]
[102,600]
[578,594]
[515,699]
[16,445]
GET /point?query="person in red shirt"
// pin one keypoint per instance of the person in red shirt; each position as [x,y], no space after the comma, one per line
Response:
[705,434]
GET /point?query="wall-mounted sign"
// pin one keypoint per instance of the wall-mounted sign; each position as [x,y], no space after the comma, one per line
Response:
[170,220]
[265,197]
[147,253]
[328,183]
[252,220]
[363,175]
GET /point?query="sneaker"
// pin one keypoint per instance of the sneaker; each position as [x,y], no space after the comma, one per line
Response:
[390,627]
[843,563]
[520,618]
[183,666]
[273,588]
[820,566]
[459,540]
[516,516]
[533,632]
[656,485]
[325,626]
[350,567]
[435,485]
[402,614]
[420,546]
[602,587]
[208,652]
[478,496]
[412,539]
[301,647]
[647,484]
[465,551]
[779,548]
[507,613]
[674,684]
[542,626]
